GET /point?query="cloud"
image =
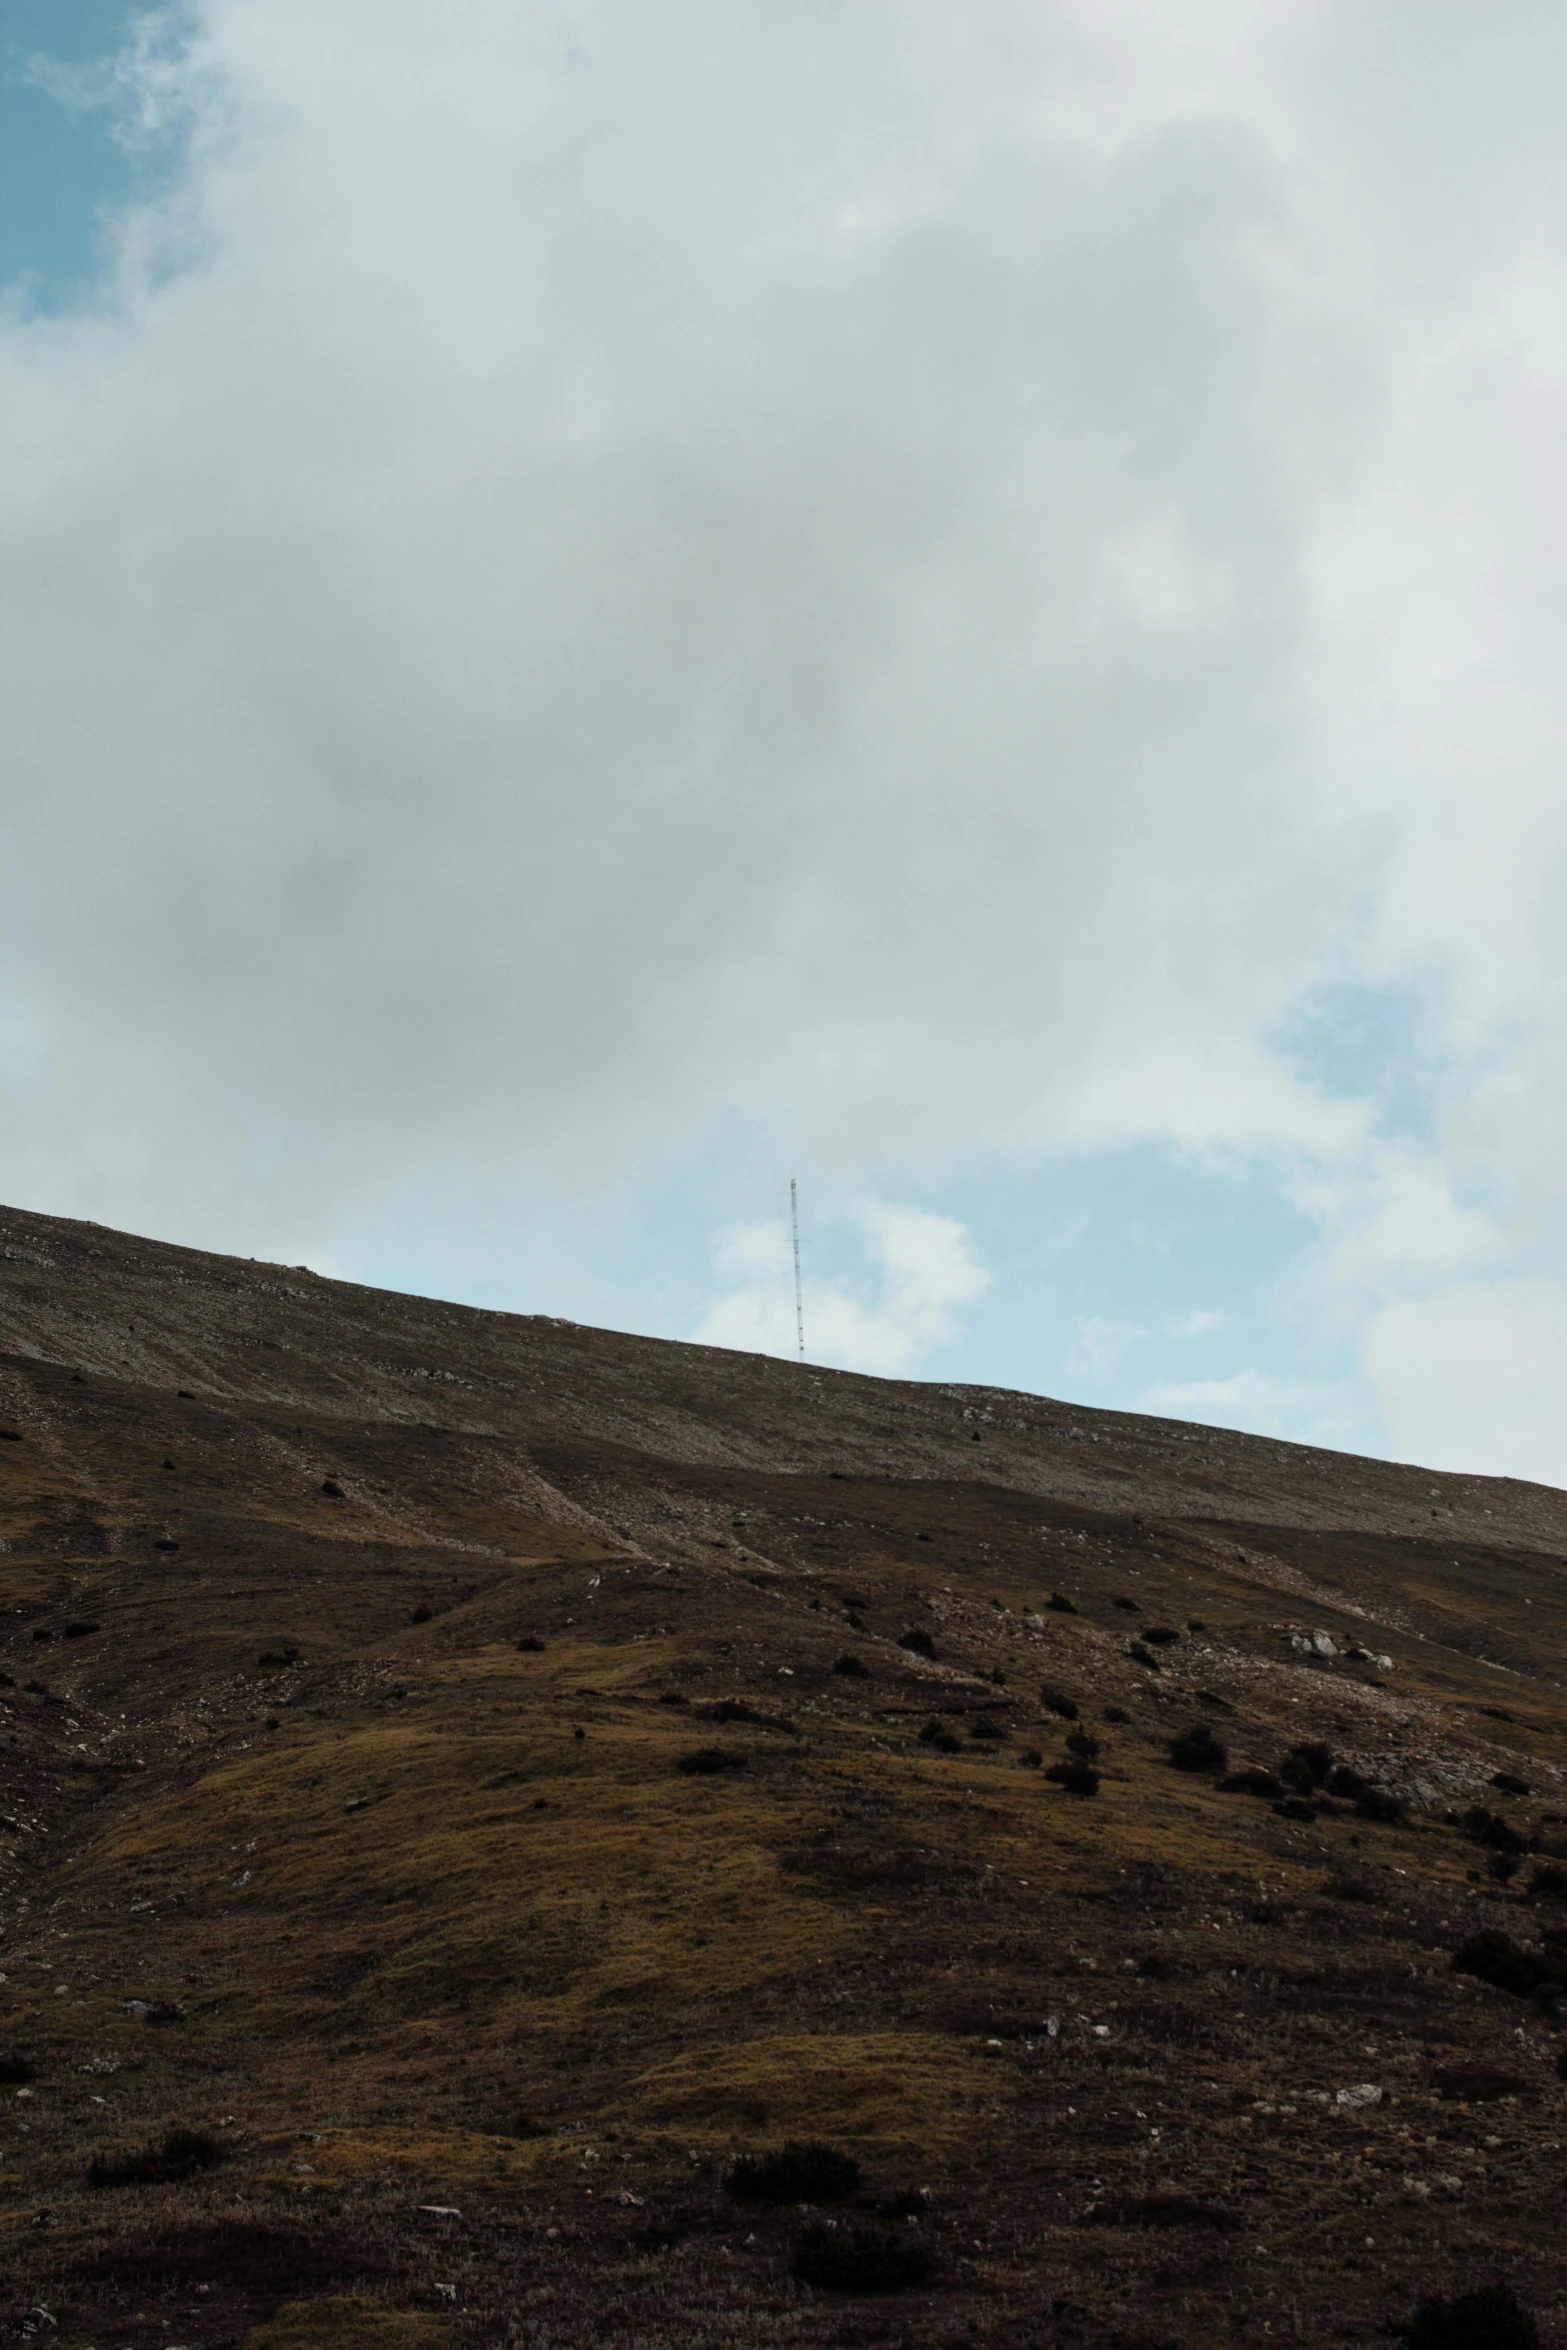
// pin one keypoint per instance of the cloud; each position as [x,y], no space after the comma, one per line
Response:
[1301,1411]
[1100,1346]
[925,1272]
[1472,1376]
[1200,1323]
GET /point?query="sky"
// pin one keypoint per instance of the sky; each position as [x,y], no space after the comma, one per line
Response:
[608,603]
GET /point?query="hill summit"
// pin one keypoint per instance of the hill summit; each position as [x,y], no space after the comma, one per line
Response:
[518,1834]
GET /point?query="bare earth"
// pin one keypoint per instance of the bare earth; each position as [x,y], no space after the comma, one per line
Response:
[477,1994]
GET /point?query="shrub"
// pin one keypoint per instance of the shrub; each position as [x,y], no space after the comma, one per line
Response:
[1143,1656]
[1491,2319]
[1031,1758]
[931,1732]
[531,1645]
[917,1642]
[80,1631]
[858,2259]
[1059,1605]
[705,1762]
[1377,1803]
[1295,1807]
[1297,1775]
[803,2171]
[1548,1884]
[1488,1828]
[1054,1703]
[1220,1705]
[1077,1777]
[1161,1635]
[1346,1782]
[1495,1958]
[947,1742]
[1083,1744]
[1503,1866]
[673,1697]
[1116,1713]
[1197,1749]
[1314,1757]
[853,1668]
[1130,1606]
[1253,1782]
[985,1728]
[15,2071]
[1503,1779]
[179,2155]
[422,1614]
[164,2011]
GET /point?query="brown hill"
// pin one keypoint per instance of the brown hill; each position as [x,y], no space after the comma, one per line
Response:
[358,1653]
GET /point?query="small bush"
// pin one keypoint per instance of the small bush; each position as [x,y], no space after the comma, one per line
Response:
[274,1658]
[853,1668]
[1031,1758]
[947,1742]
[1130,1605]
[1548,1884]
[1503,1779]
[180,2155]
[1143,1656]
[1315,1758]
[1253,1782]
[531,1645]
[1160,1635]
[1054,1703]
[164,2012]
[1059,1605]
[1343,1781]
[1220,1705]
[917,1642]
[803,2171]
[1197,1749]
[15,2071]
[858,2259]
[1489,1829]
[1503,1866]
[331,1488]
[80,1631]
[1116,1713]
[1078,1778]
[931,1732]
[1495,1958]
[1295,1807]
[1083,1744]
[1377,1803]
[673,1697]
[985,1728]
[706,1762]
[422,1614]
[1492,2319]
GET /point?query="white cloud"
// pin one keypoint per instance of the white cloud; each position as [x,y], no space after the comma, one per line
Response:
[1473,1377]
[1200,1323]
[925,1272]
[1100,1345]
[1301,1411]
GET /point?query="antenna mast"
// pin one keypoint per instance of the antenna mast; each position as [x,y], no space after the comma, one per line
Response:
[794,1227]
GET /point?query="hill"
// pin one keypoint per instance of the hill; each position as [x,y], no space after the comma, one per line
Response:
[468,1779]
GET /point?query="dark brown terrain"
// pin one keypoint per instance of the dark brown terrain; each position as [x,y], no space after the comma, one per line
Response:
[472,1994]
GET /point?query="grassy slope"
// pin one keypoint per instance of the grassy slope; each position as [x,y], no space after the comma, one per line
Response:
[443,1922]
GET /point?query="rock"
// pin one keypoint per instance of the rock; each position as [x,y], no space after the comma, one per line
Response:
[1360,2097]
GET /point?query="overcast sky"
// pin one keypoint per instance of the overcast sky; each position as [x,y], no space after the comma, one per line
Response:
[608,602]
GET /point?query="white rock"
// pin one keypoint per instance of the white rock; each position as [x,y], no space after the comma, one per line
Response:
[1359,2097]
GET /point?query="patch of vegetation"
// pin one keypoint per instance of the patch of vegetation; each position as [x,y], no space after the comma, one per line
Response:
[1491,2319]
[1548,1884]
[1253,1782]
[179,2155]
[1031,1758]
[1130,1605]
[1490,1830]
[422,1614]
[81,1631]
[531,1645]
[852,1667]
[1510,1784]
[858,2259]
[1084,1745]
[273,1659]
[1059,1605]
[984,1727]
[1346,1782]
[1116,1713]
[1054,1703]
[1143,1656]
[1077,1777]
[1495,1958]
[1381,1805]
[1197,1749]
[803,2171]
[1161,1636]
[918,1642]
[706,1762]
[16,2071]
[1295,1807]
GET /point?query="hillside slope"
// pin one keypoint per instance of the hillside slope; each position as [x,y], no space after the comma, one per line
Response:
[358,1648]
